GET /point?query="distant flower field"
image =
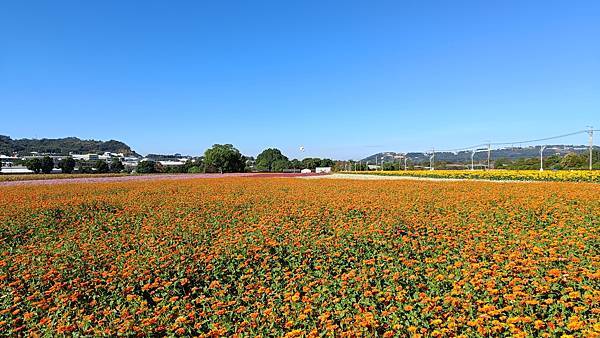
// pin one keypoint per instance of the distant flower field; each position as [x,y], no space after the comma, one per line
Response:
[28,177]
[513,175]
[288,257]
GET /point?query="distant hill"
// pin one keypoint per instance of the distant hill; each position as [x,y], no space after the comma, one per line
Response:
[465,156]
[62,146]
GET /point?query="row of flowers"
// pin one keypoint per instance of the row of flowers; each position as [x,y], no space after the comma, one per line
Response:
[515,175]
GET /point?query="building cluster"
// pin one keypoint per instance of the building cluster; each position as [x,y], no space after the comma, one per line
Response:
[16,164]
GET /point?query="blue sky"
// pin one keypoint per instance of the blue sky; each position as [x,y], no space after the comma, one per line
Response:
[345,79]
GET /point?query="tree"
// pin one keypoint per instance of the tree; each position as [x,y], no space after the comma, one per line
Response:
[279,165]
[225,158]
[84,167]
[67,165]
[47,164]
[573,161]
[265,160]
[101,166]
[326,163]
[295,164]
[34,164]
[116,166]
[194,170]
[311,163]
[146,167]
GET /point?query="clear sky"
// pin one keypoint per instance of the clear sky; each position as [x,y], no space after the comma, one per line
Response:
[345,79]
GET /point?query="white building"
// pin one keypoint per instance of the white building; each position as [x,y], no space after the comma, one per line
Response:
[15,170]
[85,157]
[171,163]
[323,170]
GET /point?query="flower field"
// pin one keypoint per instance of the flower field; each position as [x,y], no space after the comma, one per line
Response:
[29,177]
[287,257]
[510,175]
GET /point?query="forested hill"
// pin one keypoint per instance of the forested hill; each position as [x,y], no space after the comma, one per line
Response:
[62,146]
[465,156]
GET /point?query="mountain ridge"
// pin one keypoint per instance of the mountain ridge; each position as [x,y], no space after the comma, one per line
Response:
[465,155]
[62,146]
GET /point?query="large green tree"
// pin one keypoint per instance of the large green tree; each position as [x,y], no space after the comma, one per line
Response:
[280,165]
[67,165]
[47,164]
[34,164]
[116,166]
[224,158]
[146,167]
[266,159]
[101,166]
[311,163]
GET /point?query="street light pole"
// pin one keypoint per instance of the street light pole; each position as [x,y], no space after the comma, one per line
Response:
[472,163]
[542,157]
[489,155]
[432,159]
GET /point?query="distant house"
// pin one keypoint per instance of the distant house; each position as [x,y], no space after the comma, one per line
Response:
[171,163]
[8,161]
[15,170]
[323,170]
[86,157]
[373,167]
[305,171]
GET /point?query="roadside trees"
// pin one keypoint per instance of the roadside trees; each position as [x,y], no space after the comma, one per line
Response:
[224,158]
[266,160]
[67,165]
[47,164]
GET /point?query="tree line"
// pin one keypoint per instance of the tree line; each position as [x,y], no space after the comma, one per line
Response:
[225,158]
[67,165]
[220,158]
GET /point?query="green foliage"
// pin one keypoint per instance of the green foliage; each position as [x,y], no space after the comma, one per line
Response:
[280,165]
[47,164]
[326,162]
[224,158]
[101,167]
[116,166]
[312,163]
[146,167]
[296,164]
[34,164]
[573,160]
[63,146]
[265,160]
[195,170]
[67,165]
[554,162]
[84,167]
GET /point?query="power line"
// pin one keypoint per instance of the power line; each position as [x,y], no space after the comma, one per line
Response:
[541,139]
[515,142]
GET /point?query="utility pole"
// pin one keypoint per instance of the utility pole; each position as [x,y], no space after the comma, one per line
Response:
[591,133]
[432,159]
[542,157]
[404,162]
[472,163]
